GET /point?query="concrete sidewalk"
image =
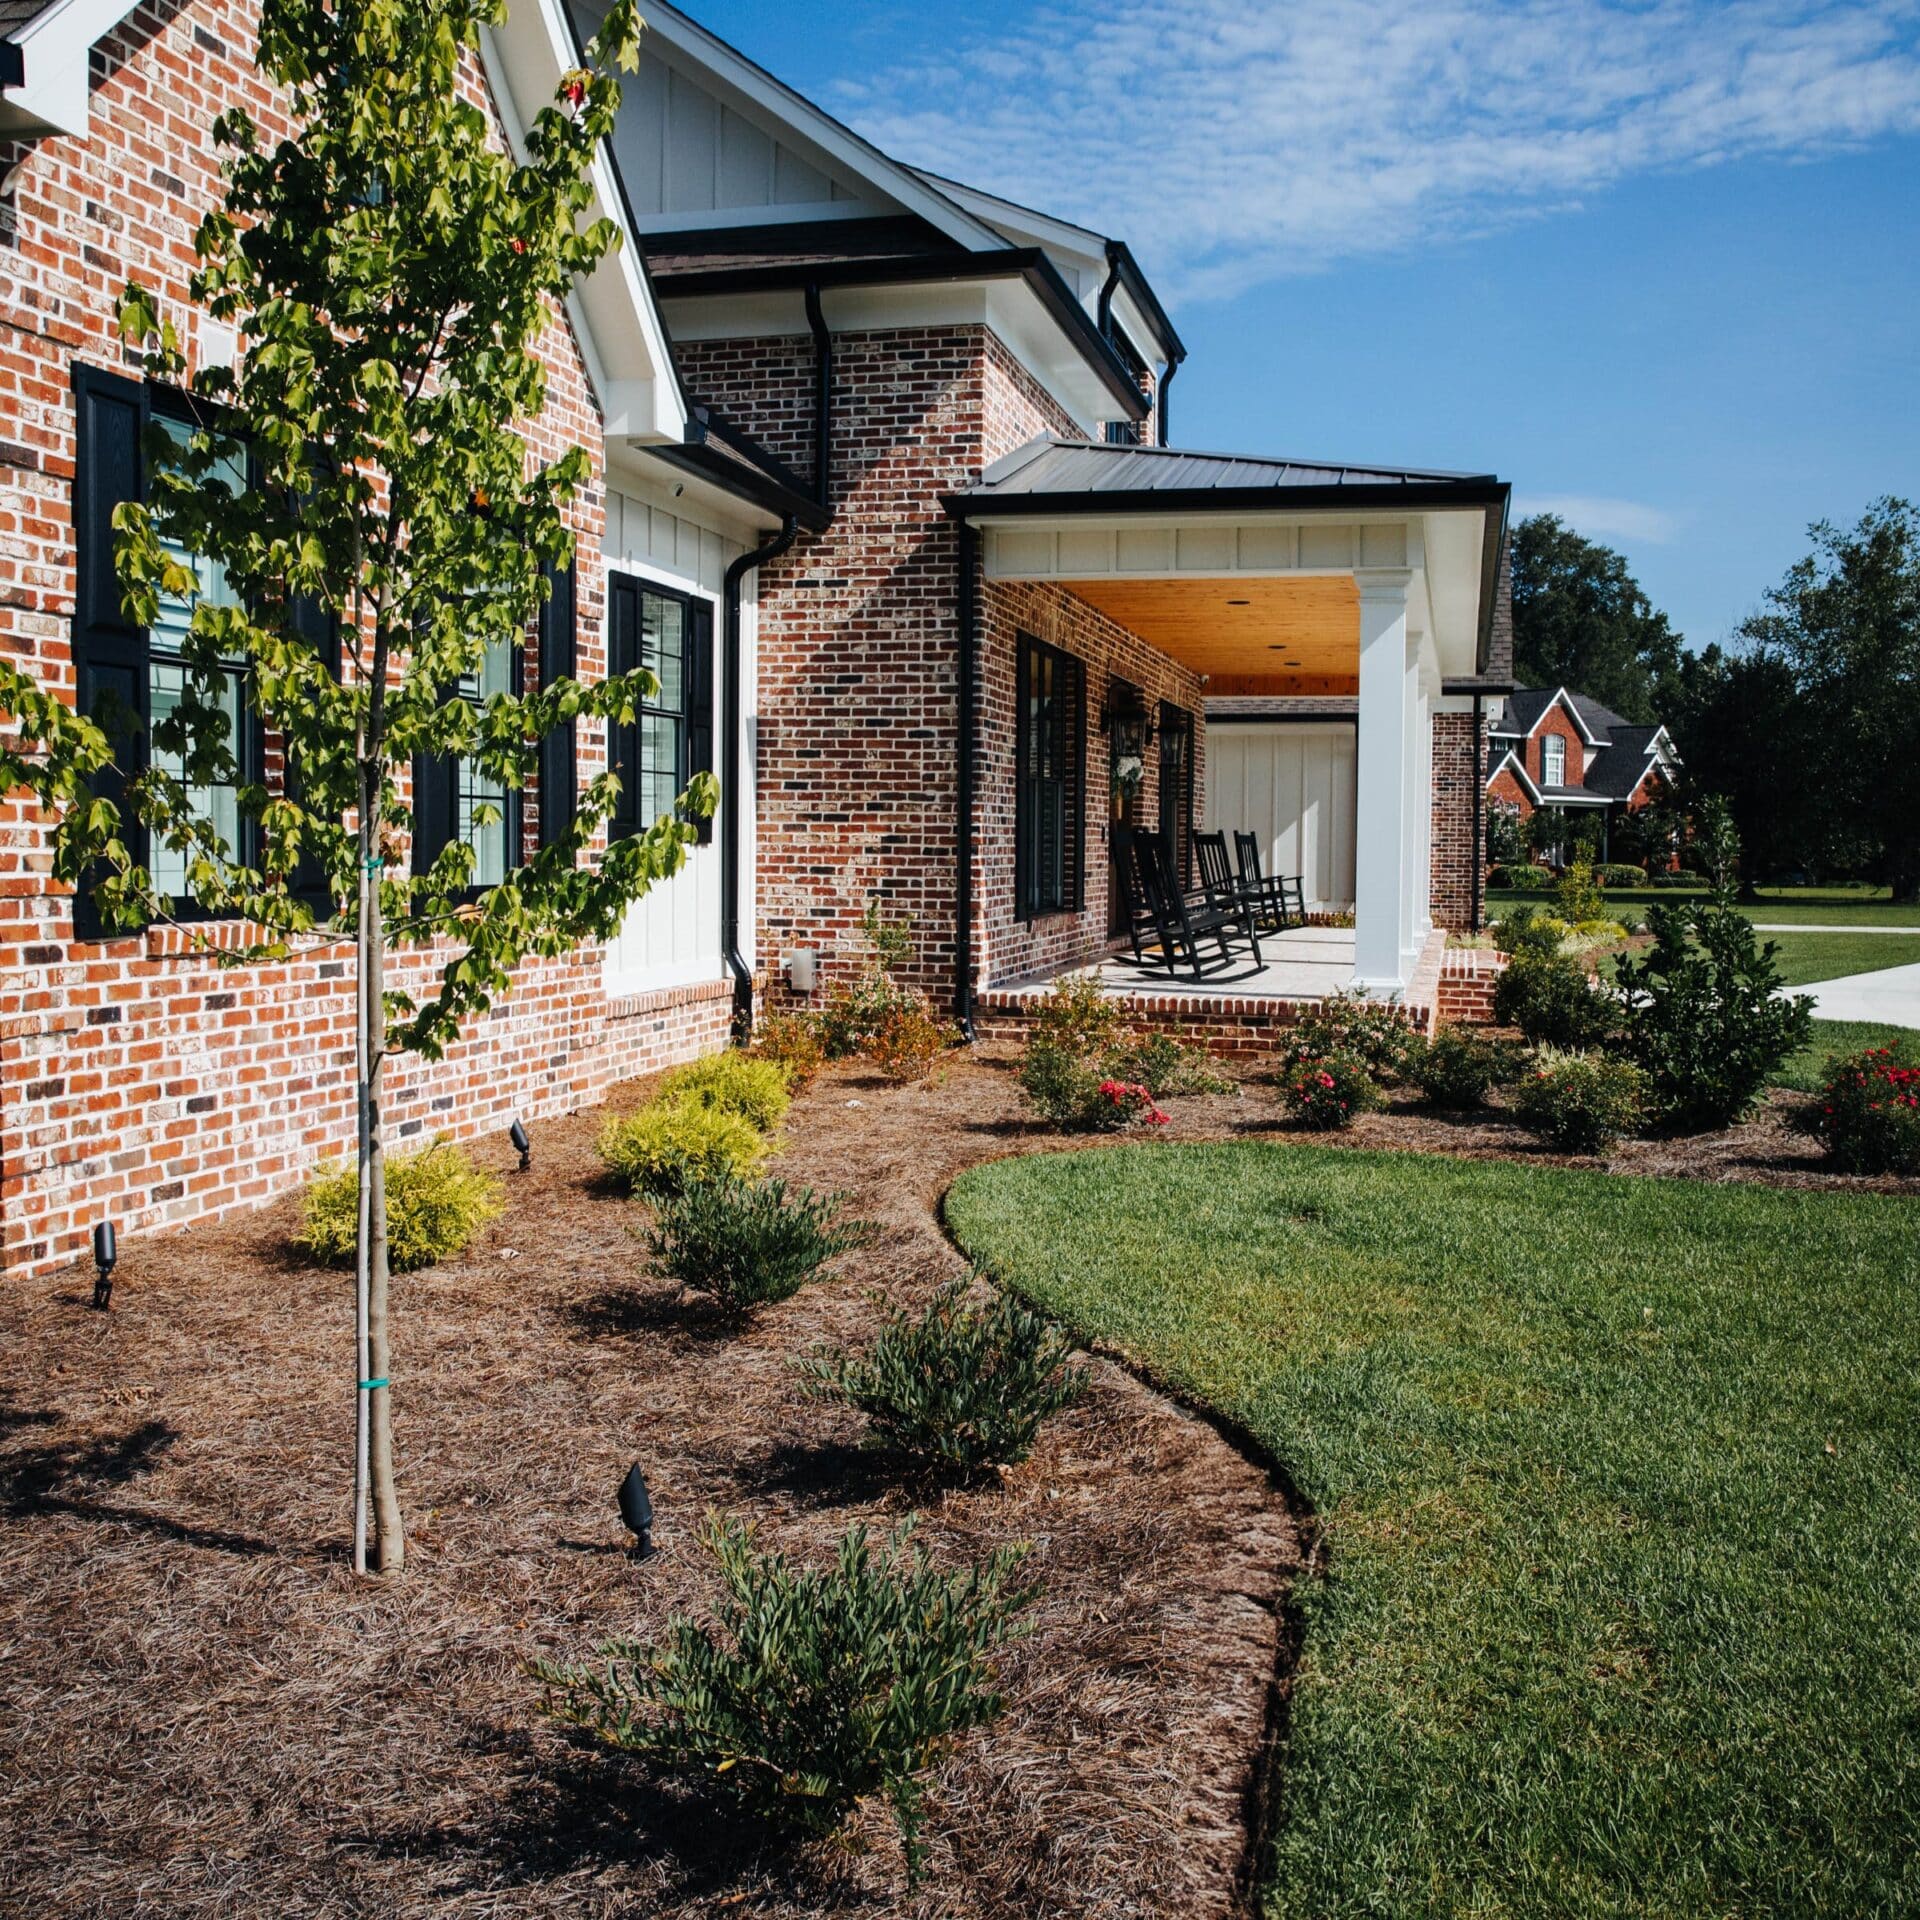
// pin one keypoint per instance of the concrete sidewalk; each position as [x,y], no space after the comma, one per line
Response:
[1808,926]
[1890,995]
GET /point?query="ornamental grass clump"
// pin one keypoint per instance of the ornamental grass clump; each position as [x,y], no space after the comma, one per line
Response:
[1581,1102]
[1329,1092]
[1868,1113]
[813,1689]
[1457,1069]
[437,1200]
[731,1082]
[672,1145]
[958,1388]
[748,1243]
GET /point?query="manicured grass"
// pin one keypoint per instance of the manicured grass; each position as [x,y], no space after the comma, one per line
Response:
[1806,1072]
[1621,1484]
[1831,956]
[1822,906]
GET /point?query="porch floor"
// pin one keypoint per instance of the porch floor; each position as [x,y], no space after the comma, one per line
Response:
[1305,963]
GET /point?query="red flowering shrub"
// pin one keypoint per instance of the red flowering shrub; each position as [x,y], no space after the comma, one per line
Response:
[1124,1103]
[1328,1092]
[1868,1113]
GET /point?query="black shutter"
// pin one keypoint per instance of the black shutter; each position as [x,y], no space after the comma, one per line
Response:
[623,742]
[433,807]
[1022,795]
[698,671]
[559,775]
[109,651]
[312,620]
[1073,772]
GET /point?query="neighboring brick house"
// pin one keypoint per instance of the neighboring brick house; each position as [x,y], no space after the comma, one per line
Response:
[886,455]
[1549,747]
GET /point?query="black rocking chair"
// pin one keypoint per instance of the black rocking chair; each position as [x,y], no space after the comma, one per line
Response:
[1183,920]
[1277,902]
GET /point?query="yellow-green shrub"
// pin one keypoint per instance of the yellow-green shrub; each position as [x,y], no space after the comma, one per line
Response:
[437,1200]
[731,1082]
[666,1147]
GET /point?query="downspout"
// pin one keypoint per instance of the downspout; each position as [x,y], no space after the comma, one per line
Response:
[822,394]
[963,824]
[731,706]
[1479,801]
[1103,312]
[1160,402]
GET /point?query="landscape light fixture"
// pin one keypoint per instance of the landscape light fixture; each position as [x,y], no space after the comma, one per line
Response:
[106,1251]
[522,1146]
[636,1510]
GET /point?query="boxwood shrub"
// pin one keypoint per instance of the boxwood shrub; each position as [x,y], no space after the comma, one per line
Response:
[668,1146]
[1551,1000]
[1458,1068]
[437,1200]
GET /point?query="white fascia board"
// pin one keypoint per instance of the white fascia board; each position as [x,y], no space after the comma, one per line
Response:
[808,125]
[622,337]
[1511,759]
[1564,700]
[56,48]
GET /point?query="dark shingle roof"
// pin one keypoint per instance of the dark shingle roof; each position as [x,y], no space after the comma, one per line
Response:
[1619,767]
[15,14]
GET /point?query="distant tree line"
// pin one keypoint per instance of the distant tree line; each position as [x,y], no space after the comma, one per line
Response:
[1807,723]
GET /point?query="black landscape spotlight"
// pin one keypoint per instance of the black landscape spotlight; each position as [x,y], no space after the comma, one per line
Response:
[522,1145]
[106,1251]
[637,1511]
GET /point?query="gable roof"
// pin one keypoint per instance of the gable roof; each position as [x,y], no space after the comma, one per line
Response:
[1526,707]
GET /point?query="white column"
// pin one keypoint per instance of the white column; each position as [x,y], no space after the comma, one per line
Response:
[1420,818]
[1382,907]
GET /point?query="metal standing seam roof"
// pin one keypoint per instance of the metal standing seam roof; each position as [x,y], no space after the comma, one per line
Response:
[1049,467]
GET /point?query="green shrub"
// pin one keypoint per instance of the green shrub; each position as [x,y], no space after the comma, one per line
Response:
[1371,1031]
[1167,1068]
[731,1082]
[668,1146]
[1578,896]
[1521,879]
[956,1388]
[1663,878]
[1458,1069]
[1581,1102]
[1531,928]
[1330,1092]
[855,1013]
[813,1689]
[1550,999]
[909,1042]
[437,1200]
[749,1243]
[1617,873]
[1868,1112]
[792,1041]
[1703,1017]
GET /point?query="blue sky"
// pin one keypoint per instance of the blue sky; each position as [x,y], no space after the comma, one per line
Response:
[1658,263]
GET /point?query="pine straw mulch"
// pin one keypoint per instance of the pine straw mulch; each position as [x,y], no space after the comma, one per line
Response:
[205,1713]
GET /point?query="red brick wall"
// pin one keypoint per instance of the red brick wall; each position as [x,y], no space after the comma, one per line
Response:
[1559,722]
[137,1078]
[1505,787]
[1457,758]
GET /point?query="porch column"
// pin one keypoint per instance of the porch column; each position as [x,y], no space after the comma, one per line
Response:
[1383,777]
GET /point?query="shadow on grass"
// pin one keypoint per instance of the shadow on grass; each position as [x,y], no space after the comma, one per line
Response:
[60,1476]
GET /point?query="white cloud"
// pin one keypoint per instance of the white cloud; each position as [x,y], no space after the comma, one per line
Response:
[1600,518]
[1232,142]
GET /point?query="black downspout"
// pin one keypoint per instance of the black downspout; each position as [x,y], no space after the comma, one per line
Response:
[963,835]
[1103,312]
[1160,402]
[730,707]
[822,394]
[1479,799]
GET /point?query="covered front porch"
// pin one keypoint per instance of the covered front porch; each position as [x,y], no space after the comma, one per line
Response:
[1350,617]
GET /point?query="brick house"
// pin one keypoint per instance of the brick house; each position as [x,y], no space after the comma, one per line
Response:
[1553,748]
[881,463]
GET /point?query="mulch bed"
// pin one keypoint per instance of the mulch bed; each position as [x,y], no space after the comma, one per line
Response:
[204,1712]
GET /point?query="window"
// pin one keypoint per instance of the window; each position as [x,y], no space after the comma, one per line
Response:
[1048,784]
[559,780]
[449,793]
[670,634]
[1553,761]
[134,677]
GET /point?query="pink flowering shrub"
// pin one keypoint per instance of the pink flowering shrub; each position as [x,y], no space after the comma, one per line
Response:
[1328,1092]
[1868,1113]
[1125,1103]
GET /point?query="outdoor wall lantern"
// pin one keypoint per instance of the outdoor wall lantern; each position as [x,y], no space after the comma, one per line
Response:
[1128,720]
[521,1145]
[636,1511]
[106,1253]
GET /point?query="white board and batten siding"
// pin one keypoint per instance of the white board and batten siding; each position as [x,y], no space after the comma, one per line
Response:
[1293,785]
[671,938]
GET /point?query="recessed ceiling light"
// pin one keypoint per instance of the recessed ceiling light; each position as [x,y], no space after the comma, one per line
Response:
[1239,603]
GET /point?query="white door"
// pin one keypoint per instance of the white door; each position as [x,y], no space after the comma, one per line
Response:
[1292,783]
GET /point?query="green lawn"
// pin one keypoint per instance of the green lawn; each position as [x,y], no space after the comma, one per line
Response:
[1830,956]
[1621,1484]
[1806,1071]
[1782,906]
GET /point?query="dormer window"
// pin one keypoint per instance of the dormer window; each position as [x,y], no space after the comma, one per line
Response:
[1553,761]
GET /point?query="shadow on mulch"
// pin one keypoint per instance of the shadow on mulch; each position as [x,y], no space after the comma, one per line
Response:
[823,1475]
[630,1312]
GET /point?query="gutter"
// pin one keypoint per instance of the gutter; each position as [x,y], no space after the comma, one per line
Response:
[822,395]
[963,786]
[1160,399]
[737,571]
[1479,808]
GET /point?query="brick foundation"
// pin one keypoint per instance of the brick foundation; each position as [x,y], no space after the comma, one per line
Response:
[1464,994]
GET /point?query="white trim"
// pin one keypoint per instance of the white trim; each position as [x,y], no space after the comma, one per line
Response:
[56,48]
[1513,760]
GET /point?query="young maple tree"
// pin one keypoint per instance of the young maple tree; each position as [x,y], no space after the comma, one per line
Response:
[359,484]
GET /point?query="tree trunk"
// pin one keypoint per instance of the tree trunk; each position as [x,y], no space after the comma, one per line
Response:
[363,1032]
[390,1539]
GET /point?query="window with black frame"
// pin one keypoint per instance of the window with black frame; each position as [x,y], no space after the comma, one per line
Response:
[1048,785]
[670,740]
[134,678]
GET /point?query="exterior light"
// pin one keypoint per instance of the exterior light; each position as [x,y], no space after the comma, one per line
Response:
[106,1252]
[522,1145]
[636,1510]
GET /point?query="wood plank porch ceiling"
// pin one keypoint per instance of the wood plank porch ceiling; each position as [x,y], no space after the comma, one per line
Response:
[1248,636]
